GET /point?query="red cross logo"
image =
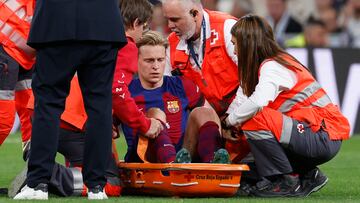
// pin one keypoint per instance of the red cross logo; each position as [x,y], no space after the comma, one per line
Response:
[214,37]
[300,128]
[189,177]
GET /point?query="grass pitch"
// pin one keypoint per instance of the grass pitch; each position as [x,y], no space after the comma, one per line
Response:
[343,172]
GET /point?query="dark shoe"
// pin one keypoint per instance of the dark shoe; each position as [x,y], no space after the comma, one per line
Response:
[221,156]
[244,190]
[284,186]
[311,182]
[183,156]
[97,193]
[18,182]
[248,181]
[3,191]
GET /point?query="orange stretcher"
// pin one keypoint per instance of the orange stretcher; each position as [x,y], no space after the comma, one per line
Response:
[183,180]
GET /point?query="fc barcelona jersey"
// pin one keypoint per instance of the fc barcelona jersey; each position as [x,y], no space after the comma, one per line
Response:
[175,97]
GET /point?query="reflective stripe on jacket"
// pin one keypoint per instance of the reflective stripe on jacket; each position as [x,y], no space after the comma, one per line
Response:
[15,19]
[307,101]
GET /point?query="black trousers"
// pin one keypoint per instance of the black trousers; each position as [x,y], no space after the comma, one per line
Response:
[56,64]
[11,73]
[305,150]
[66,181]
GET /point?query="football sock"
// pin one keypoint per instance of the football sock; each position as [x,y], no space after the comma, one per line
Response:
[209,141]
[165,150]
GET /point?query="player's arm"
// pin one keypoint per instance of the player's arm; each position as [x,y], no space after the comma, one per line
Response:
[193,93]
[124,106]
[274,78]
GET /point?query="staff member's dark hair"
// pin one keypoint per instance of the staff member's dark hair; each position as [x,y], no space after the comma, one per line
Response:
[255,43]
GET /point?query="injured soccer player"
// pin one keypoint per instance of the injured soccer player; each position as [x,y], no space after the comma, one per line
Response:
[179,105]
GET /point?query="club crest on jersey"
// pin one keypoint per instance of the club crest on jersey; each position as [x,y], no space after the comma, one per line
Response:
[173,106]
[300,127]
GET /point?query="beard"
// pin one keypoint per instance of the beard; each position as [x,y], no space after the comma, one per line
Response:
[190,33]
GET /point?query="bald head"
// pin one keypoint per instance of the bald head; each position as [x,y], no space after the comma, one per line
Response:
[186,4]
[184,17]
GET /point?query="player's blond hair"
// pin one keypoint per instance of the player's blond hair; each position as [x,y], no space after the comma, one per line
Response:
[152,38]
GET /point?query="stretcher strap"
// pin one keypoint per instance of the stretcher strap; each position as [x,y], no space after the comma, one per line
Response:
[142,148]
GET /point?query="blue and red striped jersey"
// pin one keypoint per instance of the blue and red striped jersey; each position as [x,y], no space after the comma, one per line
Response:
[176,97]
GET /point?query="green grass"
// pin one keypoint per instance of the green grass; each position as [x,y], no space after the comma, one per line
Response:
[343,172]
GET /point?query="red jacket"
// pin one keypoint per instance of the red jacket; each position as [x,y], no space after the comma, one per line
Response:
[124,106]
[218,79]
[15,19]
[74,116]
[308,102]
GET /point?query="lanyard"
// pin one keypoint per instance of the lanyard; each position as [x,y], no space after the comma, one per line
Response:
[191,45]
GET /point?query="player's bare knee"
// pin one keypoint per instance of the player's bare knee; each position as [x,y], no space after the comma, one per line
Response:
[203,114]
[156,113]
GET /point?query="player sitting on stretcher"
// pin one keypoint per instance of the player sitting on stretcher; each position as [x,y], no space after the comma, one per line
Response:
[178,104]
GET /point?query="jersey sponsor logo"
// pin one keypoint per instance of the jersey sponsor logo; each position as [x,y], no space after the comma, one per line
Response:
[173,106]
[300,127]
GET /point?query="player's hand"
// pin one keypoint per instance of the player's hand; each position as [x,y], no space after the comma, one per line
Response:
[231,134]
[228,132]
[155,128]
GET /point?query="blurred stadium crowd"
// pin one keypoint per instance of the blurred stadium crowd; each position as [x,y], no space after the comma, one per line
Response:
[297,23]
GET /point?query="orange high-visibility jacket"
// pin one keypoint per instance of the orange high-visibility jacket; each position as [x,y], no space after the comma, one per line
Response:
[74,116]
[218,79]
[307,101]
[15,19]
